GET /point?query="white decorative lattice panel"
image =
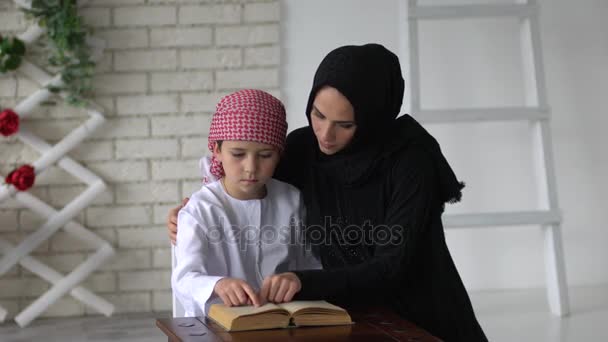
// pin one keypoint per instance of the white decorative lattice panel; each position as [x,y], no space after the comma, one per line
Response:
[56,219]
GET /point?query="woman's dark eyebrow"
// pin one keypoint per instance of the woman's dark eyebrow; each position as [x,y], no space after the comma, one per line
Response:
[338,122]
[318,111]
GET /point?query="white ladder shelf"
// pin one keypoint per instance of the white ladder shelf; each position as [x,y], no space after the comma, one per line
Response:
[536,111]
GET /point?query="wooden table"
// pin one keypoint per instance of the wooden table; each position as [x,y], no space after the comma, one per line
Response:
[376,325]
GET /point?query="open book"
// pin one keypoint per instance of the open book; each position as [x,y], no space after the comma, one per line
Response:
[270,316]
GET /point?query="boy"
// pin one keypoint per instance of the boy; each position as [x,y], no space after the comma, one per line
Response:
[244,226]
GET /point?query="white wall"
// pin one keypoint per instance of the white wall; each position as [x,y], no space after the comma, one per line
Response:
[476,63]
[312,28]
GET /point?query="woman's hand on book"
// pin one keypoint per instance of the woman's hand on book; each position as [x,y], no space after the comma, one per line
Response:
[235,292]
[280,288]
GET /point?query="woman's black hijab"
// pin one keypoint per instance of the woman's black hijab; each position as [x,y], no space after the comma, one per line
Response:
[369,76]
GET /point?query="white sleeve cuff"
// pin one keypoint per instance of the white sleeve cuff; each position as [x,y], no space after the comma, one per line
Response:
[202,290]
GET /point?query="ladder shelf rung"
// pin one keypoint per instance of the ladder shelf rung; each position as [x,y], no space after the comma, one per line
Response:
[482,114]
[472,11]
[518,218]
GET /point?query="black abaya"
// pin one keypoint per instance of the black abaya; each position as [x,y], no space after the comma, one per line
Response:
[374,208]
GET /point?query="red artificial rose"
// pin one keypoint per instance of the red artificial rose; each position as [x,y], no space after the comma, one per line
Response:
[22,178]
[9,122]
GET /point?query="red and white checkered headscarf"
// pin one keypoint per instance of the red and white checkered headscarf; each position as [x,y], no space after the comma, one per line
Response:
[247,115]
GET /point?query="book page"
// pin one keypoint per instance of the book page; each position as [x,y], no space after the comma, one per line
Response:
[297,305]
[237,311]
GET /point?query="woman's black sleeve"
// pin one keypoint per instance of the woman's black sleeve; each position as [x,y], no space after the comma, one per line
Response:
[409,211]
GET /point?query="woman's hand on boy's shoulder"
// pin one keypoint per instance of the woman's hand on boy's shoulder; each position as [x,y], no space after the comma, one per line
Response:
[280,288]
[172,220]
[236,292]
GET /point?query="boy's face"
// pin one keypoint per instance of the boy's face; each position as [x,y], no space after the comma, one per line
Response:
[248,166]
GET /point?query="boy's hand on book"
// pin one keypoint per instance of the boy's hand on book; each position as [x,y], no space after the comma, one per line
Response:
[235,292]
[280,288]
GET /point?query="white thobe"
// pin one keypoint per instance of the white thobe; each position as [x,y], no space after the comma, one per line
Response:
[221,236]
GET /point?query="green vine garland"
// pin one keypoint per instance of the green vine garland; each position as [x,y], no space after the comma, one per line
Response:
[68,52]
[11,52]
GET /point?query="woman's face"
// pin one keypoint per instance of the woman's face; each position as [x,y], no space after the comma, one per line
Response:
[333,120]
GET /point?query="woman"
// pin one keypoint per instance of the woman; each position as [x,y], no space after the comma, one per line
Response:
[374,187]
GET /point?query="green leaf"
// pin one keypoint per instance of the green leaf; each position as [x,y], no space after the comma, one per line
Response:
[13,62]
[53,61]
[18,47]
[5,46]
[68,52]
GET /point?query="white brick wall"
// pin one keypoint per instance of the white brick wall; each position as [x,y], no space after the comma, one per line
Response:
[7,85]
[186,37]
[185,125]
[146,104]
[64,242]
[120,83]
[101,282]
[210,14]
[211,58]
[125,38]
[118,216]
[128,302]
[62,195]
[200,102]
[247,35]
[64,307]
[96,17]
[235,79]
[64,262]
[194,147]
[11,20]
[162,258]
[93,150]
[181,81]
[160,213]
[120,172]
[262,12]
[9,221]
[143,280]
[150,236]
[175,169]
[123,128]
[129,260]
[147,16]
[161,300]
[145,60]
[262,56]
[25,286]
[166,65]
[150,192]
